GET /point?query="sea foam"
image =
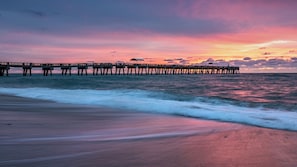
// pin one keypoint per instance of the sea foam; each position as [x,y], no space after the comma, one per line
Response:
[149,101]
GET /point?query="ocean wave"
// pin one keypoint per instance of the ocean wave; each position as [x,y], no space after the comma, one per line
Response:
[159,102]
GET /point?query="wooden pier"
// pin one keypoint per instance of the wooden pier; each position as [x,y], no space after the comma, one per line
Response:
[117,69]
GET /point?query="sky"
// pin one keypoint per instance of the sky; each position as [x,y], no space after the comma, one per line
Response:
[256,35]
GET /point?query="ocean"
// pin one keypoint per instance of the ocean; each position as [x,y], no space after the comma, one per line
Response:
[264,100]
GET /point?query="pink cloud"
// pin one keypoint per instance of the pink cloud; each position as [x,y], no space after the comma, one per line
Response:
[237,10]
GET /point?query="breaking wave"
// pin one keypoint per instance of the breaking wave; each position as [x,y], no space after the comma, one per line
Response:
[159,102]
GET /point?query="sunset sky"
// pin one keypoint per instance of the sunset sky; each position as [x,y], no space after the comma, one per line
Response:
[257,35]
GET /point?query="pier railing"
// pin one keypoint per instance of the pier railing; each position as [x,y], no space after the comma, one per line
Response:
[117,68]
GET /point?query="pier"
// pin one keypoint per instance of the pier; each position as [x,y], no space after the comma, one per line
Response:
[116,69]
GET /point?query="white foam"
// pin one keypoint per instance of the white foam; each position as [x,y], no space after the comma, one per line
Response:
[150,102]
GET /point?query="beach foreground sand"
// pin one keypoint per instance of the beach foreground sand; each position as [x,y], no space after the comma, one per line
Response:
[43,133]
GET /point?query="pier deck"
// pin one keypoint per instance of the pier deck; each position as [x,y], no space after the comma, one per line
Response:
[116,69]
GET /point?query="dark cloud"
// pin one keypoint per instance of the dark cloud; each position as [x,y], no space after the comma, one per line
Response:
[169,61]
[262,63]
[266,53]
[104,15]
[247,58]
[184,62]
[177,61]
[254,64]
[275,62]
[35,13]
[212,61]
[165,16]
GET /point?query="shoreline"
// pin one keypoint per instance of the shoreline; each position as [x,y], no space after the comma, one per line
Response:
[45,133]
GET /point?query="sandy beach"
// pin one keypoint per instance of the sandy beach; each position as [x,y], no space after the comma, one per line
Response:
[42,133]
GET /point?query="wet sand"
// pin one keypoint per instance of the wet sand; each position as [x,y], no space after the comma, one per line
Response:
[42,133]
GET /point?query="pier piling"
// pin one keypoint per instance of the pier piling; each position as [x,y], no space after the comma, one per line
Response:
[4,69]
[27,69]
[81,68]
[120,68]
[105,68]
[66,69]
[47,69]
